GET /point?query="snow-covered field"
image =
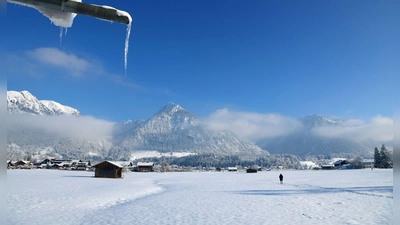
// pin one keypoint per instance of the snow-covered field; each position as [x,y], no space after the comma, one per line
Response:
[306,197]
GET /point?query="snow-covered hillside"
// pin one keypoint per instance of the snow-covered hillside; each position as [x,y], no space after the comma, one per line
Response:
[25,103]
[173,129]
[58,109]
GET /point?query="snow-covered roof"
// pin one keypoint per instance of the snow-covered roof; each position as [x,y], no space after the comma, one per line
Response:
[145,164]
[122,163]
[111,162]
[308,163]
[333,160]
[328,165]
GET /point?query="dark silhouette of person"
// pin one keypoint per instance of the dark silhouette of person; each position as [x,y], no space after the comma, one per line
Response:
[281,178]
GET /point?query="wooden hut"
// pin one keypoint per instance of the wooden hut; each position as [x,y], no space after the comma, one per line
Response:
[145,166]
[108,169]
[251,170]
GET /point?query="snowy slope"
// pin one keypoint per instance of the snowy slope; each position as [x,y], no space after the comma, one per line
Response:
[25,103]
[58,109]
[173,129]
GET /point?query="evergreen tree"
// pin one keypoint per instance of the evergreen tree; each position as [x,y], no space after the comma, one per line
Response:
[386,161]
[377,158]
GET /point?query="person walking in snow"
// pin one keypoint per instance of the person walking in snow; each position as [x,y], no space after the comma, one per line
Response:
[281,178]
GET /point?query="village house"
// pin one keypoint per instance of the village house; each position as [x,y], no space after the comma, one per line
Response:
[145,166]
[57,163]
[108,169]
[60,161]
[82,165]
[10,164]
[231,169]
[21,164]
[328,167]
[41,166]
[342,164]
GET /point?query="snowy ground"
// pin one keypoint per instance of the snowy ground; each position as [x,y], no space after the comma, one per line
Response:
[306,197]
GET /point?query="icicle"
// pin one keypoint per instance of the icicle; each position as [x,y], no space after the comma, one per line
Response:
[61,33]
[128,33]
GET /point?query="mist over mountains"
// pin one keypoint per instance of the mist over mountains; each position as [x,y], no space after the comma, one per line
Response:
[173,129]
[311,140]
[46,128]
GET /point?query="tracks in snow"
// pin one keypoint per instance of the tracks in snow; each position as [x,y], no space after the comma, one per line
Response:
[355,190]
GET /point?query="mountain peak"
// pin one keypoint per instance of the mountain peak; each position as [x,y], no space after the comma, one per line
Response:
[26,93]
[19,95]
[316,120]
[171,108]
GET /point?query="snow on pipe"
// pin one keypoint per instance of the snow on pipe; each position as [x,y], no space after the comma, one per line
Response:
[104,13]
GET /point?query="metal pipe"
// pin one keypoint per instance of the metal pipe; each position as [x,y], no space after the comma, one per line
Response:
[99,12]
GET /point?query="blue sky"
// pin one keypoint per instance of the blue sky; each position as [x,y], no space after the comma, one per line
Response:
[287,58]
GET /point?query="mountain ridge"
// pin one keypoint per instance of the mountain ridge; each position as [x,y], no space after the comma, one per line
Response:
[24,102]
[171,129]
[178,130]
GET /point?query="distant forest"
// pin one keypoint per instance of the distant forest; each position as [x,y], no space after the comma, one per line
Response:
[286,161]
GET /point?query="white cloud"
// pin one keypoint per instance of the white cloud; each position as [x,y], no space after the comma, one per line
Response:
[253,126]
[63,60]
[256,126]
[378,128]
[39,62]
[70,127]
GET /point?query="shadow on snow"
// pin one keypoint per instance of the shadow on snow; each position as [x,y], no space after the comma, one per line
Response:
[377,191]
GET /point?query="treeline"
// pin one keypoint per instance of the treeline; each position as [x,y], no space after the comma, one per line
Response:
[286,161]
[317,158]
[383,158]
